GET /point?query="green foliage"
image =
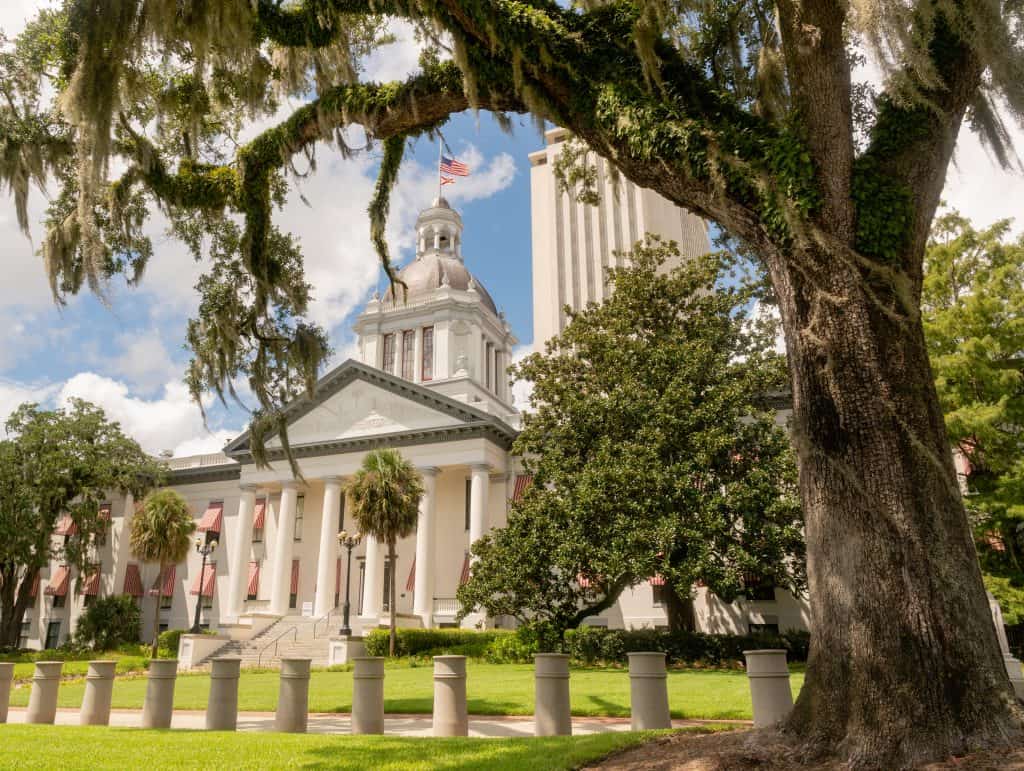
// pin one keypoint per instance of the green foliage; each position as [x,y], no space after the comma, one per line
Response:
[109,623]
[161,532]
[167,642]
[67,461]
[973,313]
[653,451]
[385,494]
[433,642]
[595,645]
[517,648]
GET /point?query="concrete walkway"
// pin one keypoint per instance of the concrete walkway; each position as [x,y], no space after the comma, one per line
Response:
[396,725]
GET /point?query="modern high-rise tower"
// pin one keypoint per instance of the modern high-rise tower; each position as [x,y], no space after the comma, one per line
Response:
[573,243]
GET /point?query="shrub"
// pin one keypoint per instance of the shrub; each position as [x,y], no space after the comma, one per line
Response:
[515,648]
[432,642]
[108,623]
[167,643]
[596,645]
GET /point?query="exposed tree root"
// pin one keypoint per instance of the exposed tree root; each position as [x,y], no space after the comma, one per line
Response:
[772,751]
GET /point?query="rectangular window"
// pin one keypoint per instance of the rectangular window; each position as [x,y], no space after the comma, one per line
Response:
[427,365]
[52,635]
[59,600]
[293,601]
[388,359]
[300,506]
[163,626]
[762,628]
[26,630]
[660,592]
[469,495]
[166,601]
[759,589]
[257,535]
[487,355]
[408,354]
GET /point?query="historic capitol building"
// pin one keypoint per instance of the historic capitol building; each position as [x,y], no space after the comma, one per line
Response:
[431,381]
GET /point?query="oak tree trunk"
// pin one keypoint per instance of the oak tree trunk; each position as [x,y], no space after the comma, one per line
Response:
[14,602]
[904,663]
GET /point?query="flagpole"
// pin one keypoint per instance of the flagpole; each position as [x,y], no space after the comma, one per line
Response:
[440,149]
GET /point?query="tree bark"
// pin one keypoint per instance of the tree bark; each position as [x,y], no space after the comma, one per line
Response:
[680,612]
[904,664]
[156,613]
[393,635]
[14,601]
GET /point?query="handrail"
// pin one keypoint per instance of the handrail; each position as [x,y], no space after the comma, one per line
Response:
[326,619]
[294,630]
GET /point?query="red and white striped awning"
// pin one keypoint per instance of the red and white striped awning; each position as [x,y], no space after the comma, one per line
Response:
[523,481]
[212,518]
[207,580]
[259,514]
[59,582]
[657,580]
[91,585]
[167,589]
[66,526]
[254,578]
[410,582]
[464,577]
[132,581]
[295,577]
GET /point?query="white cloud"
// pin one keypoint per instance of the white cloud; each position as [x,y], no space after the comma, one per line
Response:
[396,61]
[170,422]
[522,390]
[144,361]
[14,394]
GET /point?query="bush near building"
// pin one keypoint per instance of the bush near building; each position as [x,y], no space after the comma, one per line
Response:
[589,645]
[108,623]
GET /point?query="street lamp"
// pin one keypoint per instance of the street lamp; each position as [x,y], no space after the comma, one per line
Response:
[349,542]
[206,549]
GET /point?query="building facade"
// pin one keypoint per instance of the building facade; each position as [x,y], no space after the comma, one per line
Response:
[575,243]
[430,381]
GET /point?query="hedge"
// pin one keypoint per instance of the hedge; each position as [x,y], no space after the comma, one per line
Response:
[432,642]
[596,645]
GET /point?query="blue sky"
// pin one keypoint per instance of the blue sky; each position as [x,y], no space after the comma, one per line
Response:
[127,355]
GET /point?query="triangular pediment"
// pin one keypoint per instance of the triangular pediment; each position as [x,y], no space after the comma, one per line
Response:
[355,401]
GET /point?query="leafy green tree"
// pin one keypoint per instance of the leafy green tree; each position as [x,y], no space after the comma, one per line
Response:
[653,450]
[108,623]
[385,494]
[973,311]
[56,463]
[161,532]
[745,112]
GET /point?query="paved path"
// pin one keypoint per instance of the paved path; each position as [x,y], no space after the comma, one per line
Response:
[333,723]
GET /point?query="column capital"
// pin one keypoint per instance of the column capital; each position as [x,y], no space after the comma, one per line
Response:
[289,484]
[481,467]
[247,487]
[429,471]
[334,479]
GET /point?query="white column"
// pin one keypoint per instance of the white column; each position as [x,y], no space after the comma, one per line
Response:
[480,482]
[373,586]
[423,596]
[241,545]
[283,538]
[328,557]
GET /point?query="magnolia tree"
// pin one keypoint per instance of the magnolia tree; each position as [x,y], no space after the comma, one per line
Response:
[654,451]
[744,112]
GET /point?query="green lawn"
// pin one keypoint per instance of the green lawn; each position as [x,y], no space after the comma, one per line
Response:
[493,689]
[63,747]
[23,669]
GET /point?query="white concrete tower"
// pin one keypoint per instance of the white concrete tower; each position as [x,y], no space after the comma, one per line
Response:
[573,243]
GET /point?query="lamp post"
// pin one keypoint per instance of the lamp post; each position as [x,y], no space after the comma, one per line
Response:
[206,549]
[349,542]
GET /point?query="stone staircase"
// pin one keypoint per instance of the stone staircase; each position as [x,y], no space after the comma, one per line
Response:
[288,637]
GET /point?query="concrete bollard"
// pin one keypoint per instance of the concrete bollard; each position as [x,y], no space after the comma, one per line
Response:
[648,692]
[99,691]
[551,712]
[770,693]
[293,697]
[451,718]
[42,702]
[158,708]
[6,678]
[222,707]
[368,695]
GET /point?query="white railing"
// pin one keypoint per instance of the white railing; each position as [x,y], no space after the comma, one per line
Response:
[446,606]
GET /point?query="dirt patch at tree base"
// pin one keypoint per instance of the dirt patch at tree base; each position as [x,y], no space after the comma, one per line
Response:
[765,751]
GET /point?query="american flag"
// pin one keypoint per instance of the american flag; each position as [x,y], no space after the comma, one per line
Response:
[454,167]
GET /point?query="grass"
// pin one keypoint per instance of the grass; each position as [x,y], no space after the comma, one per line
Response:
[65,747]
[125,664]
[493,689]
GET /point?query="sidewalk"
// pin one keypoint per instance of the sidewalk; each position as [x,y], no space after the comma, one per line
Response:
[485,726]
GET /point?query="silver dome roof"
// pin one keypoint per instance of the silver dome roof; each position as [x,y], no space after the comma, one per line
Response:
[427,273]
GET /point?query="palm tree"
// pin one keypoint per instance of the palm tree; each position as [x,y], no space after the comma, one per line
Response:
[161,532]
[386,493]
